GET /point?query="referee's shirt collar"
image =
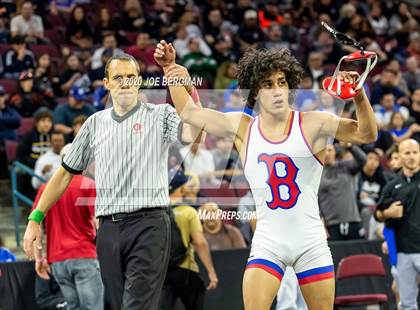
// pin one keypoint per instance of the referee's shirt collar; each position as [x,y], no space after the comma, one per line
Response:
[120,119]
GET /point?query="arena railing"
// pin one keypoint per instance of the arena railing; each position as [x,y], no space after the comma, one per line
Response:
[18,167]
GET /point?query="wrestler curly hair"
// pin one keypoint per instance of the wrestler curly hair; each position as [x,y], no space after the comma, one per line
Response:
[257,65]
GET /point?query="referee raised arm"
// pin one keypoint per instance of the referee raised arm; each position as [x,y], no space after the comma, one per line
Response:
[129,144]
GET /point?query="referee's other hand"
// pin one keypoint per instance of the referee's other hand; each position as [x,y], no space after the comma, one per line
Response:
[32,234]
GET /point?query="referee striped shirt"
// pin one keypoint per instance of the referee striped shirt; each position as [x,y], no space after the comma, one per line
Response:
[130,155]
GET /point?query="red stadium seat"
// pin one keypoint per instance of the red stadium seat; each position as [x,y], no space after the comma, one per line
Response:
[224,195]
[131,36]
[358,266]
[39,49]
[4,48]
[55,36]
[26,125]
[11,86]
[11,149]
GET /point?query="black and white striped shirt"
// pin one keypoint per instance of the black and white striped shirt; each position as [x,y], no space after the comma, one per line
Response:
[130,154]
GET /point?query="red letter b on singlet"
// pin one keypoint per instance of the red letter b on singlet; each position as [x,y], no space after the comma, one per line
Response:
[274,181]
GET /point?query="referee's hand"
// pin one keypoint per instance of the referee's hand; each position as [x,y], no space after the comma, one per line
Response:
[164,54]
[32,234]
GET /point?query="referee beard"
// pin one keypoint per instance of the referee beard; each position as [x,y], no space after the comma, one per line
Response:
[129,144]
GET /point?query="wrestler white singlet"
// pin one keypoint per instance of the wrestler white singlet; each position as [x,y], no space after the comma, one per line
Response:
[284,177]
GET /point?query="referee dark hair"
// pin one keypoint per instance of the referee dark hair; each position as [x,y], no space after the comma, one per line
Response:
[129,144]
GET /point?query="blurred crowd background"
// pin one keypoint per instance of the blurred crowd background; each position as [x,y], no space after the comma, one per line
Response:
[52,65]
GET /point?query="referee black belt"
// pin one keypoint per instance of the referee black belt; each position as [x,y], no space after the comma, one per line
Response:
[123,216]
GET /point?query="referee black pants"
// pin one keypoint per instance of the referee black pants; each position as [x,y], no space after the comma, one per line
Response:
[133,254]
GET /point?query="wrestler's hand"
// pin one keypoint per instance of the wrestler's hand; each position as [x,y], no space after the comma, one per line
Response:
[180,73]
[350,77]
[32,237]
[164,54]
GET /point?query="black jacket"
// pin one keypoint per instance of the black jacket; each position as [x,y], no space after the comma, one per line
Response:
[407,228]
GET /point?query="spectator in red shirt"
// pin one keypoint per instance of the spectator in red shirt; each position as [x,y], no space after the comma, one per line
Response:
[71,249]
[143,50]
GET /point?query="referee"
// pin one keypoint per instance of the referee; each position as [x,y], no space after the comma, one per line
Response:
[129,144]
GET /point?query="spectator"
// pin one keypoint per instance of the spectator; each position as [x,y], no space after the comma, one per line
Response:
[289,33]
[4,32]
[394,163]
[315,67]
[71,249]
[97,75]
[79,32]
[108,42]
[399,207]
[9,119]
[226,75]
[5,255]
[250,34]
[415,106]
[197,63]
[327,7]
[36,142]
[400,132]
[78,121]
[413,48]
[64,114]
[237,12]
[378,21]
[269,15]
[223,47]
[27,24]
[107,25]
[246,205]
[328,103]
[388,106]
[306,98]
[29,98]
[399,81]
[371,182]
[226,160]
[45,77]
[387,84]
[144,49]
[274,38]
[219,235]
[198,160]
[325,44]
[72,72]
[412,76]
[132,18]
[181,43]
[48,163]
[182,279]
[17,59]
[337,195]
[212,25]
[192,194]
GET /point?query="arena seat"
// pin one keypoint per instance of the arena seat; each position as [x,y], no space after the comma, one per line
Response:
[10,85]
[26,125]
[224,195]
[39,49]
[361,265]
[11,149]
[4,48]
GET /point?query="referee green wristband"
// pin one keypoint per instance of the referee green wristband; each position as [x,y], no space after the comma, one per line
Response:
[36,216]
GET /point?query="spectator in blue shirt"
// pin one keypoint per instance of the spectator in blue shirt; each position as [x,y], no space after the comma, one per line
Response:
[65,114]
